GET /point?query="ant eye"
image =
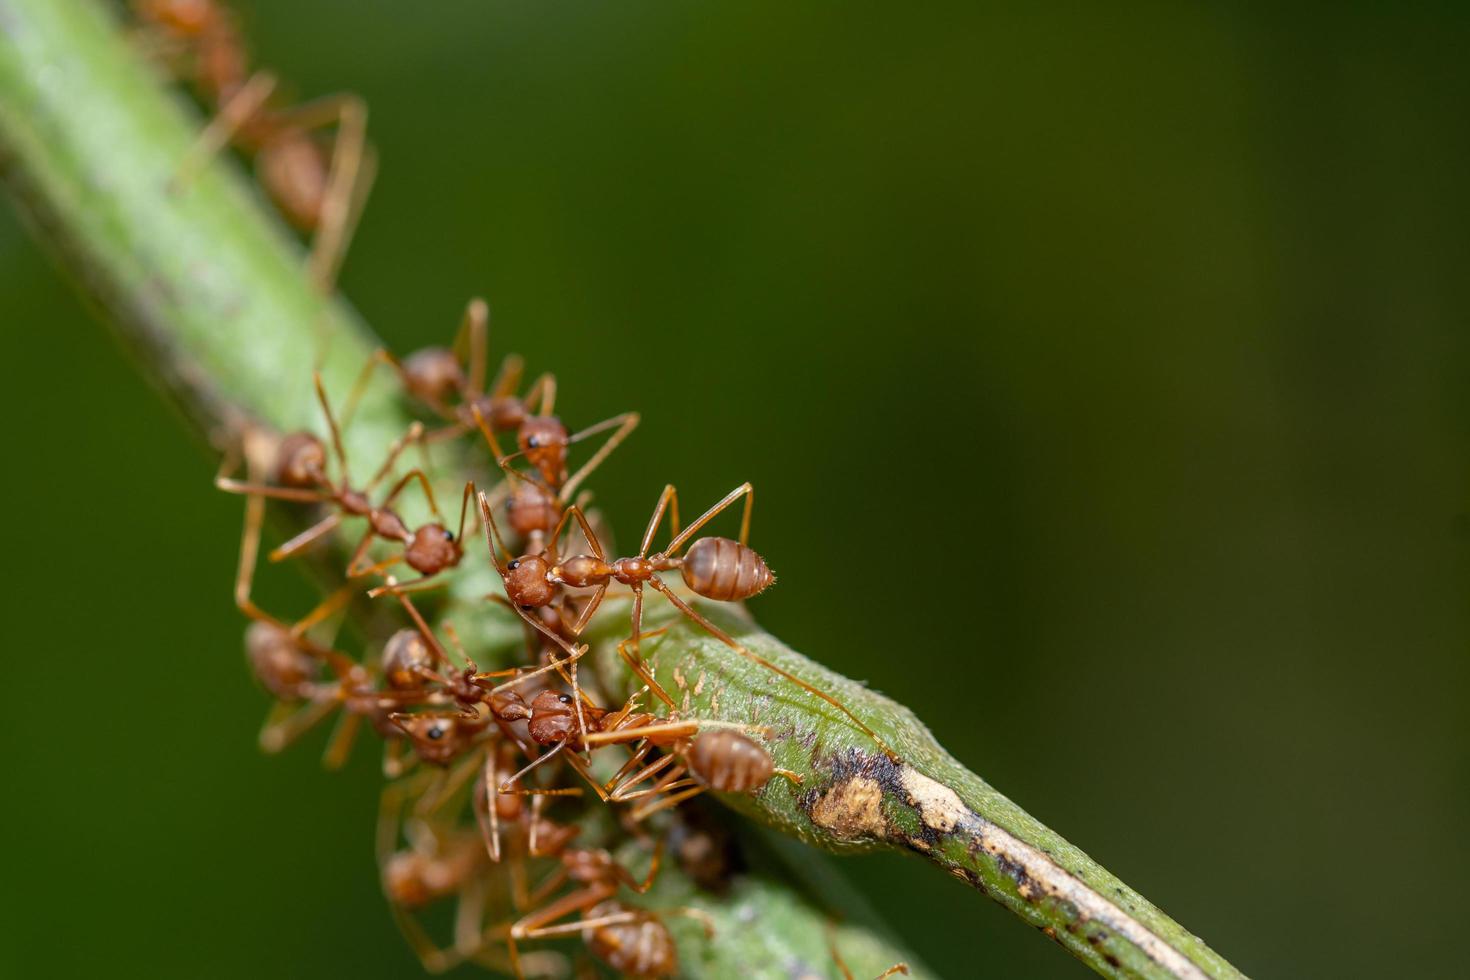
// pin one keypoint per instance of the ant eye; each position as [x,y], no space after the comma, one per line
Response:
[449,536]
[564,698]
[533,442]
[513,565]
[436,733]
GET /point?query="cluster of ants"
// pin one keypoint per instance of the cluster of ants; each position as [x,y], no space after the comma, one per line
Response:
[477,759]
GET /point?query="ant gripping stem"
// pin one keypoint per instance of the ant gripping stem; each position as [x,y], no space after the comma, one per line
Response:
[714,568]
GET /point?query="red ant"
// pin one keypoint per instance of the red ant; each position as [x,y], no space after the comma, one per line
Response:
[319,191]
[721,759]
[714,568]
[301,476]
[632,941]
[441,861]
[436,377]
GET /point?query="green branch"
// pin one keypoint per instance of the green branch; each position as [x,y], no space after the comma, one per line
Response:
[209,294]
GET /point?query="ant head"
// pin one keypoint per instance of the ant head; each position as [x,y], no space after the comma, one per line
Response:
[432,549]
[281,665]
[189,18]
[530,509]
[301,461]
[526,584]
[406,659]
[554,717]
[543,440]
[438,738]
[433,375]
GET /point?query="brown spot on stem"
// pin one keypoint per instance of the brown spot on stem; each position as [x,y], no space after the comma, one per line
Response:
[852,809]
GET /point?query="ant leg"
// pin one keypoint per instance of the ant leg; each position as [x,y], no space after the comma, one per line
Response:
[555,665]
[745,490]
[750,655]
[543,391]
[300,496]
[395,763]
[332,427]
[245,570]
[352,165]
[624,423]
[895,968]
[490,820]
[446,786]
[649,809]
[469,919]
[575,512]
[440,656]
[404,481]
[623,775]
[237,110]
[471,344]
[670,497]
[339,745]
[321,528]
[359,387]
[286,724]
[414,434]
[487,432]
[681,729]
[433,958]
[324,609]
[837,959]
[508,376]
[625,790]
[546,756]
[537,924]
[355,566]
[585,616]
[634,659]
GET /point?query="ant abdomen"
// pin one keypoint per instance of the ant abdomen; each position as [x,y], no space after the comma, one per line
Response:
[281,665]
[640,948]
[295,169]
[433,375]
[406,660]
[301,461]
[531,510]
[726,570]
[729,762]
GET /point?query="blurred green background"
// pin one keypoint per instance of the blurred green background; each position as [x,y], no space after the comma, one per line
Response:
[1140,331]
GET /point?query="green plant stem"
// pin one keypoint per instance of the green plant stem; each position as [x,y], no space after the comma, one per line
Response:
[210,295]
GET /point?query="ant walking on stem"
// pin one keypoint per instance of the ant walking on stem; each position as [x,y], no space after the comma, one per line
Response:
[713,568]
[301,475]
[450,382]
[320,191]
